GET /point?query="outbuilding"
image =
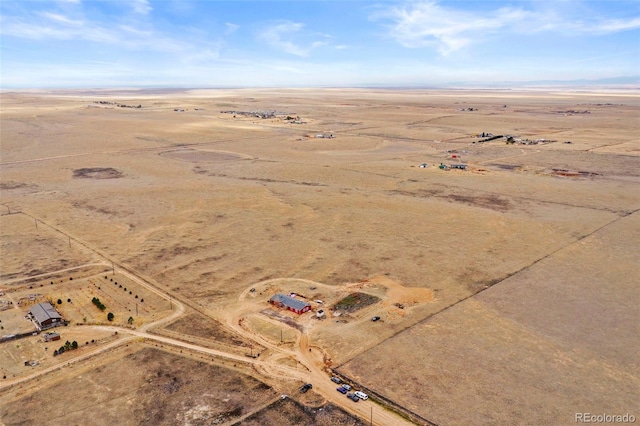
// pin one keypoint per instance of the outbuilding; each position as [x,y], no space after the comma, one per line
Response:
[45,315]
[289,303]
[50,337]
[458,166]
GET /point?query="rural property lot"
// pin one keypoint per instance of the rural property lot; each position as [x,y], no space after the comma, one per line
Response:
[544,344]
[505,291]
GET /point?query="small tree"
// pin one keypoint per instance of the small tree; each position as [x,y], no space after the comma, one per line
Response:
[74,345]
[110,316]
[130,320]
[69,300]
[59,301]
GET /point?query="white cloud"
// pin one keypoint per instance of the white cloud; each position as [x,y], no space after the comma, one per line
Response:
[135,36]
[57,27]
[231,28]
[613,25]
[447,30]
[141,7]
[61,19]
[281,36]
[276,36]
[427,24]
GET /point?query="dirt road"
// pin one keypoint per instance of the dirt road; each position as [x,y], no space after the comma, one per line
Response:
[309,361]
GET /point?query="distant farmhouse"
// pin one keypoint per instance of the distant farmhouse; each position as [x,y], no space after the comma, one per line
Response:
[458,166]
[290,304]
[45,316]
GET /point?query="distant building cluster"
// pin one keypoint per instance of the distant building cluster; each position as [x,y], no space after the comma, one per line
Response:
[255,114]
[117,104]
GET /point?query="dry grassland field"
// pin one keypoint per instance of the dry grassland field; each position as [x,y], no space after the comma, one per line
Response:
[492,234]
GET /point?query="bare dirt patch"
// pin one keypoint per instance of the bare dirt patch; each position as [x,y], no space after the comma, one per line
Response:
[196,324]
[5,186]
[30,249]
[492,357]
[493,202]
[97,173]
[14,353]
[573,173]
[201,156]
[147,387]
[289,412]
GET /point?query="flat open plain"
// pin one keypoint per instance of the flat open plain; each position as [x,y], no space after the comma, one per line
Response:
[507,292]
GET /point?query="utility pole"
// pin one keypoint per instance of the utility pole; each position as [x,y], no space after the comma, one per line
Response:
[113,268]
[372,415]
[69,242]
[280,336]
[36,221]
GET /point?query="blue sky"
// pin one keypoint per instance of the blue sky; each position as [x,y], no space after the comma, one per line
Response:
[188,43]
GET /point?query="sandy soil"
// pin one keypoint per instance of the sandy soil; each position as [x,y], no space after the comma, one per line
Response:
[548,342]
[201,206]
[161,388]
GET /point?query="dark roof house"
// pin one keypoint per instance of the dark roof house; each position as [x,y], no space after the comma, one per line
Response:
[290,303]
[45,315]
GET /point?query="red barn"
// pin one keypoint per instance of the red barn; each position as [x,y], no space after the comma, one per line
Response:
[290,304]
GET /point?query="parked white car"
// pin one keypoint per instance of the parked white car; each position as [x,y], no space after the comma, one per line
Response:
[363,396]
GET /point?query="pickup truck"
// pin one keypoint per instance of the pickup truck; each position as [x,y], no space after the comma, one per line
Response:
[306,387]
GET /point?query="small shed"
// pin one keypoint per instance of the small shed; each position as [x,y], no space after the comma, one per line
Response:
[289,303]
[50,337]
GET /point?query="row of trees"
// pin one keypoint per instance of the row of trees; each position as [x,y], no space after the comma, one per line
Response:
[68,346]
[98,303]
[101,306]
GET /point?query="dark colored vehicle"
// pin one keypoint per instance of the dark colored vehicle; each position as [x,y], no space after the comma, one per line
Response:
[341,390]
[352,396]
[306,387]
[376,318]
[336,380]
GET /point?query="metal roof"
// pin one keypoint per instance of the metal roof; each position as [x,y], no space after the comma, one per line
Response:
[296,304]
[44,311]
